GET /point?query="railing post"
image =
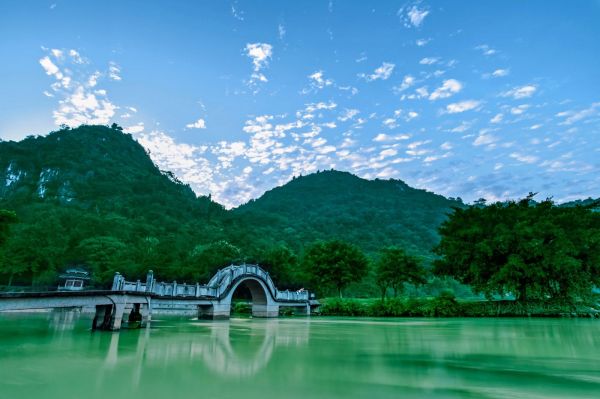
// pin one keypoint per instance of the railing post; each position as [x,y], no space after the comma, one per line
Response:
[150,281]
[116,281]
[174,293]
[137,286]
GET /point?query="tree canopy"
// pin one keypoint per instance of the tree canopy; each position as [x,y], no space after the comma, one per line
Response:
[533,250]
[335,264]
[394,267]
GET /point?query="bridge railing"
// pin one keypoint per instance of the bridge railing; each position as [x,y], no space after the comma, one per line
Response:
[215,288]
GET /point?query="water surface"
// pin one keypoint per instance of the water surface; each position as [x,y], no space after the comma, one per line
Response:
[55,355]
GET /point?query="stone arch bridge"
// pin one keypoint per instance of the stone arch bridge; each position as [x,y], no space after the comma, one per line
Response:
[142,299]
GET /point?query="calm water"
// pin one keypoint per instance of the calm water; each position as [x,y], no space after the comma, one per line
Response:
[56,356]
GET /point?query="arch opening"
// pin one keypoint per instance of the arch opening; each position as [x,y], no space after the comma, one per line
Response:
[250,297]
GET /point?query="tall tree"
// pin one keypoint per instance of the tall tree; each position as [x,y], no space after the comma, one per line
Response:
[335,264]
[532,250]
[395,267]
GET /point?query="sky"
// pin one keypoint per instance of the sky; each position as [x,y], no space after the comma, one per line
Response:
[470,99]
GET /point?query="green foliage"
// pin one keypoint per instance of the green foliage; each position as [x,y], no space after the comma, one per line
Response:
[6,219]
[335,264]
[371,214]
[394,268]
[533,250]
[281,262]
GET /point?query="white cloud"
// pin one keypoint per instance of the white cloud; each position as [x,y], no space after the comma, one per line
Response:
[576,116]
[429,60]
[383,72]
[485,49]
[448,88]
[500,72]
[260,53]
[412,15]
[524,157]
[78,104]
[407,82]
[49,67]
[497,118]
[317,82]
[114,71]
[422,42]
[484,139]
[411,115]
[199,124]
[520,92]
[348,114]
[462,106]
[134,129]
[519,109]
[236,12]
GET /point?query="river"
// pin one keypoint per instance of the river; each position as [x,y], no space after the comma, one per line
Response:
[55,355]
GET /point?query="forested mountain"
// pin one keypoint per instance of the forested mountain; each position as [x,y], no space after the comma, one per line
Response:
[370,213]
[92,196]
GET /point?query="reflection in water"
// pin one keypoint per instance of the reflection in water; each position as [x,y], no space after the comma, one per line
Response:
[58,355]
[239,348]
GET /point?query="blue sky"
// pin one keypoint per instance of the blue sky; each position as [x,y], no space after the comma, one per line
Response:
[468,99]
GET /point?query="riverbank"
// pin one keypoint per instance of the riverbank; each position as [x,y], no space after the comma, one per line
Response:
[448,306]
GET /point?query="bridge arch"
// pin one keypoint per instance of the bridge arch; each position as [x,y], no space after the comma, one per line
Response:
[263,302]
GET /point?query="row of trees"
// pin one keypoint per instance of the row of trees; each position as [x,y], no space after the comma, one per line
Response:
[527,249]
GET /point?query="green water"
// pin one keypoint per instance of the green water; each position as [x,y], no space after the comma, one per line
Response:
[55,355]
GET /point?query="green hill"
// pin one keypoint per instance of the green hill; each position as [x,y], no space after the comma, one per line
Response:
[92,196]
[332,204]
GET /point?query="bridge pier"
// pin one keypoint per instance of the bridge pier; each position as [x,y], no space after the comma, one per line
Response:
[102,318]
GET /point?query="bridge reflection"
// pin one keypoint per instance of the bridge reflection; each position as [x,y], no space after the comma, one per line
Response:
[238,348]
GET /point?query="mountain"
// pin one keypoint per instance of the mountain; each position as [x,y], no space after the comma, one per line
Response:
[94,167]
[333,204]
[93,196]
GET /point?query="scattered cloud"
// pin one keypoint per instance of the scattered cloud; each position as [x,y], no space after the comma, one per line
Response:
[447,89]
[497,118]
[317,82]
[79,102]
[407,82]
[485,49]
[260,53]
[412,15]
[462,106]
[381,73]
[236,12]
[525,158]
[429,60]
[573,116]
[114,71]
[422,42]
[520,92]
[199,124]
[500,73]
[485,138]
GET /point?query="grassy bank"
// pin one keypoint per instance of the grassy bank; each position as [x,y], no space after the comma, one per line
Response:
[446,305]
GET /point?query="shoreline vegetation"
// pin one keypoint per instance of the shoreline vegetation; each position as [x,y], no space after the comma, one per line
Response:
[446,305]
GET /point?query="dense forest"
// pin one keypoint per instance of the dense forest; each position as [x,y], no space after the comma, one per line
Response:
[92,197]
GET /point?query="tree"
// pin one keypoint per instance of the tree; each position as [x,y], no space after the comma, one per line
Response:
[6,219]
[204,260]
[335,264]
[106,255]
[532,250]
[280,261]
[395,267]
